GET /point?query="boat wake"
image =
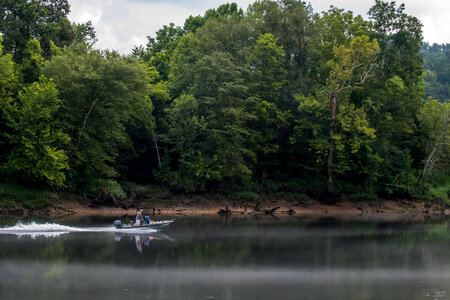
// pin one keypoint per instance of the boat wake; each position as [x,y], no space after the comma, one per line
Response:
[34,230]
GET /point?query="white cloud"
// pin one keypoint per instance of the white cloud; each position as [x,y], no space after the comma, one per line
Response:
[432,14]
[83,11]
[122,24]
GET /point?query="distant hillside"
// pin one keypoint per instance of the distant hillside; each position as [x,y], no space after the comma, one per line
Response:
[436,64]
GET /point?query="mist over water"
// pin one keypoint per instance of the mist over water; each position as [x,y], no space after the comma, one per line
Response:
[218,258]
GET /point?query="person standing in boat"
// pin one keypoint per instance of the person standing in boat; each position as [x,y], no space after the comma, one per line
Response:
[139,217]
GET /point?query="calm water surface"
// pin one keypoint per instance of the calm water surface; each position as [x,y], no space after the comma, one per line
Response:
[226,258]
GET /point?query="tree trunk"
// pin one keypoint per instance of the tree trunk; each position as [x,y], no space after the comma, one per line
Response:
[433,151]
[330,185]
[155,139]
[84,122]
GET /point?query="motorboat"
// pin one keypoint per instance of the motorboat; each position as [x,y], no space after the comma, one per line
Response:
[152,225]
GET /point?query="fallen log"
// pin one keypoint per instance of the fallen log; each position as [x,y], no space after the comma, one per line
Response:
[271,211]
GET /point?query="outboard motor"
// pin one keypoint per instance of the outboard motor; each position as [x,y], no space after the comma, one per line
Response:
[117,224]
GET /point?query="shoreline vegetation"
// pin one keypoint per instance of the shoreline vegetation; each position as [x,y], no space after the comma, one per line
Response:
[276,104]
[159,202]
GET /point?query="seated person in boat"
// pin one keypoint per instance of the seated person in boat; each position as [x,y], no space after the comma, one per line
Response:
[139,218]
[147,220]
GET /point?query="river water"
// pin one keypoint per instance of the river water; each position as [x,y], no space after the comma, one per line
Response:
[226,258]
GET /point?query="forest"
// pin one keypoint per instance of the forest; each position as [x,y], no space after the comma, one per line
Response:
[276,99]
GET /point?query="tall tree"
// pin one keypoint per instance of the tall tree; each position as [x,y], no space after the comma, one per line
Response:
[160,48]
[395,95]
[350,68]
[336,27]
[23,20]
[267,76]
[204,66]
[292,23]
[8,89]
[100,91]
[43,20]
[186,132]
[146,125]
[84,33]
[32,63]
[38,140]
[225,10]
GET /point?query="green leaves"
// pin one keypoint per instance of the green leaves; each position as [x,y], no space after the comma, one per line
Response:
[348,129]
[184,124]
[352,65]
[100,92]
[434,120]
[38,140]
[437,70]
[275,93]
[23,20]
[266,63]
[352,127]
[159,49]
[217,146]
[32,62]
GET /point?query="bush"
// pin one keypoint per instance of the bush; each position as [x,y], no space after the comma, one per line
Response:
[294,185]
[135,188]
[247,196]
[12,194]
[109,187]
[441,192]
[112,189]
[290,196]
[298,197]
[7,203]
[239,185]
[36,203]
[363,196]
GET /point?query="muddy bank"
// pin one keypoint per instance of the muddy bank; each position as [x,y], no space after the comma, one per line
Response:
[183,206]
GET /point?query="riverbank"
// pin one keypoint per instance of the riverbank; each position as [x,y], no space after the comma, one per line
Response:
[197,206]
[22,201]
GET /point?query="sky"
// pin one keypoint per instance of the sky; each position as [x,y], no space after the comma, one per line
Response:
[123,24]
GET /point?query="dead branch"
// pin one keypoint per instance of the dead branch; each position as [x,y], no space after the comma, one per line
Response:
[271,211]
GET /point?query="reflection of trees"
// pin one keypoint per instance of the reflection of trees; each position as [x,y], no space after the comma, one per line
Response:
[214,253]
[331,244]
[343,245]
[66,248]
[387,246]
[324,251]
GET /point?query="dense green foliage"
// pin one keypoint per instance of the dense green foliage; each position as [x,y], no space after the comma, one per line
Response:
[101,94]
[277,100]
[436,59]
[44,20]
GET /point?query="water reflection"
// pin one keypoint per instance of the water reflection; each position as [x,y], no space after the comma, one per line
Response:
[141,240]
[77,281]
[233,259]
[138,241]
